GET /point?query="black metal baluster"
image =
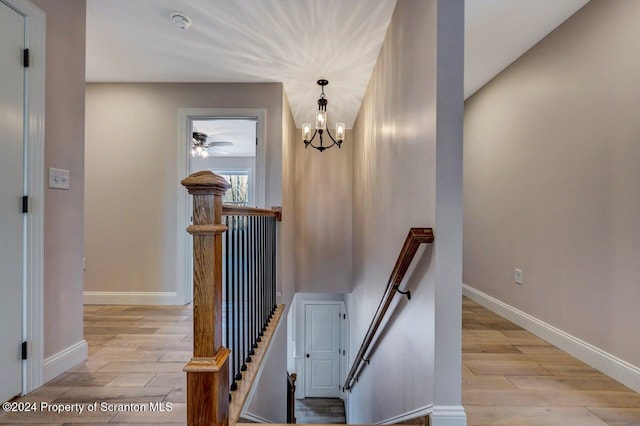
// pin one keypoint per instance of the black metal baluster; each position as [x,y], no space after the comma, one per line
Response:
[272,249]
[249,336]
[261,272]
[236,302]
[267,236]
[265,248]
[243,286]
[231,298]
[252,285]
[256,284]
[273,265]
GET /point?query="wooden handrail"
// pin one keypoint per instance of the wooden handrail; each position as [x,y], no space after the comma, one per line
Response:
[416,237]
[231,210]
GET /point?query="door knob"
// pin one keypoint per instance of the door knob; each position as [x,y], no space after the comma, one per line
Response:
[307,355]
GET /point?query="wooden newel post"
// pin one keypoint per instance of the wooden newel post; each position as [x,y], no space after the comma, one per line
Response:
[207,372]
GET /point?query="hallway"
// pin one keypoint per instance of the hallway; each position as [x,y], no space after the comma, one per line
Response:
[510,377]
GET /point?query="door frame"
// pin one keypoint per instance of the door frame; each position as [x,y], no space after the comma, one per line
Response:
[343,330]
[184,270]
[34,109]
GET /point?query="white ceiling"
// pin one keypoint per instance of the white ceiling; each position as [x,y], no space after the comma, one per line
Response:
[295,42]
[497,32]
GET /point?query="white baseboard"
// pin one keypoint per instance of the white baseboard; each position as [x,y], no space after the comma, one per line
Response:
[68,358]
[131,298]
[419,412]
[448,415]
[614,367]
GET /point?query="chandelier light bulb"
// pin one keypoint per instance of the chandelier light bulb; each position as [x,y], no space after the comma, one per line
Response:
[306,131]
[321,120]
[340,131]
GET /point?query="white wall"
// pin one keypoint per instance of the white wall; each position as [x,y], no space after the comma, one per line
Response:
[551,180]
[270,401]
[64,210]
[286,255]
[323,209]
[132,181]
[213,163]
[407,173]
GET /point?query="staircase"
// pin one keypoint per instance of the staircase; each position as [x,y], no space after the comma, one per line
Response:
[234,301]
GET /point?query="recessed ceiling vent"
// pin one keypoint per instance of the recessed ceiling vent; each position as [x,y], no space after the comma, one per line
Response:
[180,20]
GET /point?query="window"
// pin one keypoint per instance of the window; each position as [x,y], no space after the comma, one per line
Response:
[240,192]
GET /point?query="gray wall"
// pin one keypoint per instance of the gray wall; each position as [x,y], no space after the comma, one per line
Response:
[551,172]
[132,181]
[270,401]
[64,149]
[407,173]
[323,209]
[286,255]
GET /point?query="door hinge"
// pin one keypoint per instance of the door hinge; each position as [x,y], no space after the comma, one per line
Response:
[25,204]
[25,58]
[24,350]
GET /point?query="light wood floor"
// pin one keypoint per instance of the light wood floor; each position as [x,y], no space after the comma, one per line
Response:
[136,354]
[320,411]
[510,377]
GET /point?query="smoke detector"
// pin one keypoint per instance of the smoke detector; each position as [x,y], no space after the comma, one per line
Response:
[180,20]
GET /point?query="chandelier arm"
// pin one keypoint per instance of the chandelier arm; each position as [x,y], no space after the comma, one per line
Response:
[321,147]
[314,135]
[335,142]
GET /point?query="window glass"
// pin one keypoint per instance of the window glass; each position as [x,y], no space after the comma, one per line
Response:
[238,194]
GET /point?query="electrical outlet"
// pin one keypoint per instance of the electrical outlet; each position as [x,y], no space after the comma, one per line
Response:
[518,276]
[58,178]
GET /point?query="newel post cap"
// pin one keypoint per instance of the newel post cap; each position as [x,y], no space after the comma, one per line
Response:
[206,182]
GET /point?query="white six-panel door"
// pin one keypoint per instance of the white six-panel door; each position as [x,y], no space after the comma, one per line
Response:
[12,42]
[322,340]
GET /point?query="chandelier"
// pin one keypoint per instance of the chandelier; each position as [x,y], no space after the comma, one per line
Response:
[321,126]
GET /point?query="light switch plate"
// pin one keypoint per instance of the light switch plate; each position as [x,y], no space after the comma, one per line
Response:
[58,178]
[518,276]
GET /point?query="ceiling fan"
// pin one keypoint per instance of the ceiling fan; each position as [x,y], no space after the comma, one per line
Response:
[201,144]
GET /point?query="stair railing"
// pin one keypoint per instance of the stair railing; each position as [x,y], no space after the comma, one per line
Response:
[415,238]
[249,277]
[237,272]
